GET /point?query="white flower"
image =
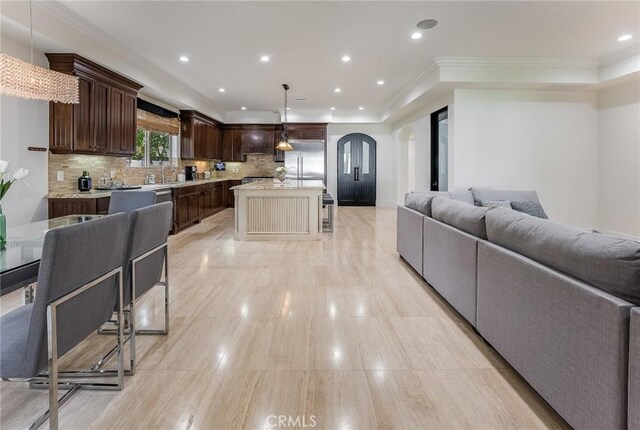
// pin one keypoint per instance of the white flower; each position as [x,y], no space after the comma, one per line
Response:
[20,173]
[3,166]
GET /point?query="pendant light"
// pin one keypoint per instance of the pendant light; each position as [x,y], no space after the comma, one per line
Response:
[284,144]
[26,80]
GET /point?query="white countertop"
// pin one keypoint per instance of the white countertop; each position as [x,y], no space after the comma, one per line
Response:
[277,185]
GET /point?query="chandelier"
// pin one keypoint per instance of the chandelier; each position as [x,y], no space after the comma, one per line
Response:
[26,80]
[284,144]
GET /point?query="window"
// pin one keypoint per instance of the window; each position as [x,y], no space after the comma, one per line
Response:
[154,148]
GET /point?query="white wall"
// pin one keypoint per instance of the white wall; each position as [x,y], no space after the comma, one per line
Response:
[385,159]
[545,141]
[619,158]
[419,125]
[24,123]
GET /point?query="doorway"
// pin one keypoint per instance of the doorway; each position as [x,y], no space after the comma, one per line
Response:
[356,170]
[440,150]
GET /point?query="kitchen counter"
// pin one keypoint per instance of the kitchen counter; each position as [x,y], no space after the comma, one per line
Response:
[277,185]
[96,194]
[268,210]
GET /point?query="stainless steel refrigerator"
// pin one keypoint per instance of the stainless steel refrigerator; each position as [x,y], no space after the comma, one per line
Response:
[306,161]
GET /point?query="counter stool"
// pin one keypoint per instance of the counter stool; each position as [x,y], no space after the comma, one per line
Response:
[327,223]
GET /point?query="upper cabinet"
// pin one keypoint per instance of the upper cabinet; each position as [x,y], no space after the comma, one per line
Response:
[238,140]
[104,122]
[232,143]
[200,137]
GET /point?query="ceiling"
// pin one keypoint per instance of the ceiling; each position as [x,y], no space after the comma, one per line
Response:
[306,40]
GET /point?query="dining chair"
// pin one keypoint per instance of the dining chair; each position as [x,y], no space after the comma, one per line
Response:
[146,264]
[80,279]
[126,201]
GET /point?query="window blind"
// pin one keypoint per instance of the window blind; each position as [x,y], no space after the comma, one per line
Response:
[158,123]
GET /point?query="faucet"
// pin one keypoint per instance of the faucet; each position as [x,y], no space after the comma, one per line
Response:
[164,179]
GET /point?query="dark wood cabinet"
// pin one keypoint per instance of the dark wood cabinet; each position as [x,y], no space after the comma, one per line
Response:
[232,143]
[199,137]
[104,120]
[231,199]
[82,206]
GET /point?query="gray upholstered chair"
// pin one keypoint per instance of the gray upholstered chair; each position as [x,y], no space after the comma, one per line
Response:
[145,263]
[126,201]
[79,282]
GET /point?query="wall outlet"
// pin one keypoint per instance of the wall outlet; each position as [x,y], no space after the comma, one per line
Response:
[60,175]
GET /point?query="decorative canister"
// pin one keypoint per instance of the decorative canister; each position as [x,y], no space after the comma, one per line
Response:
[84,182]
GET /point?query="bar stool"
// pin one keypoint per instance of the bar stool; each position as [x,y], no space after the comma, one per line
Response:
[327,223]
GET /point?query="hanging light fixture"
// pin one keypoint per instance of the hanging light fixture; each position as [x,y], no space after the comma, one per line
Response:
[26,80]
[284,144]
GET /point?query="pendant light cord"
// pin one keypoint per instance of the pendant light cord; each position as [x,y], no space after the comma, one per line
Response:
[31,28]
[285,109]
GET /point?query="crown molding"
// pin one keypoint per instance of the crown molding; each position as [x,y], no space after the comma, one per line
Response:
[620,55]
[67,17]
[587,63]
[426,74]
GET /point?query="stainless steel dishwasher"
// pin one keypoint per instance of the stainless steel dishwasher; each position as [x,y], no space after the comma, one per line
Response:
[163,196]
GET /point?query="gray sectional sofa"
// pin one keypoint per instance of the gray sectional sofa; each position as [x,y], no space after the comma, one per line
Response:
[555,301]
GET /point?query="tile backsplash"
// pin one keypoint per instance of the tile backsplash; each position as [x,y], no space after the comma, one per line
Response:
[102,165]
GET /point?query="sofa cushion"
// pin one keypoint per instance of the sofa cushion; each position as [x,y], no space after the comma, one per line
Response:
[461,215]
[419,202]
[511,195]
[462,195]
[606,262]
[530,207]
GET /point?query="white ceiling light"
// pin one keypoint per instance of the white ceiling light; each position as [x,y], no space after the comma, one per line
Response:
[243,108]
[288,108]
[416,35]
[380,82]
[625,37]
[264,59]
[222,90]
[361,108]
[346,58]
[332,108]
[337,90]
[184,59]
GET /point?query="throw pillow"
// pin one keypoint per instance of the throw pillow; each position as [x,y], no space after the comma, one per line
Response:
[495,203]
[530,207]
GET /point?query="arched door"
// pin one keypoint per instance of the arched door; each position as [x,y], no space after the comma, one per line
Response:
[356,170]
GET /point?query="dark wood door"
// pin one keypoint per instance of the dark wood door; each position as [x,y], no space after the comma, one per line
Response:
[61,129]
[100,116]
[130,123]
[356,170]
[237,144]
[82,116]
[116,125]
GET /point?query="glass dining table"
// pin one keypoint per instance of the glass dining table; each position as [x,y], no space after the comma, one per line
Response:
[20,260]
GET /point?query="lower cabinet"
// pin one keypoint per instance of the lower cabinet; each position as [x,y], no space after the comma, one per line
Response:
[80,206]
[196,202]
[191,204]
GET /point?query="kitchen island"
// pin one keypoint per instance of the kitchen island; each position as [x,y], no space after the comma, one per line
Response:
[274,210]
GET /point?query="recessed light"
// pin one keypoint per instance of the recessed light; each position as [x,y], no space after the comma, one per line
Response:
[625,37]
[416,35]
[332,108]
[361,108]
[288,108]
[380,82]
[264,59]
[337,90]
[346,58]
[184,59]
[243,108]
[222,90]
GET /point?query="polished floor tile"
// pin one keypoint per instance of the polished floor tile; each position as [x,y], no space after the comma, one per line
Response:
[340,333]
